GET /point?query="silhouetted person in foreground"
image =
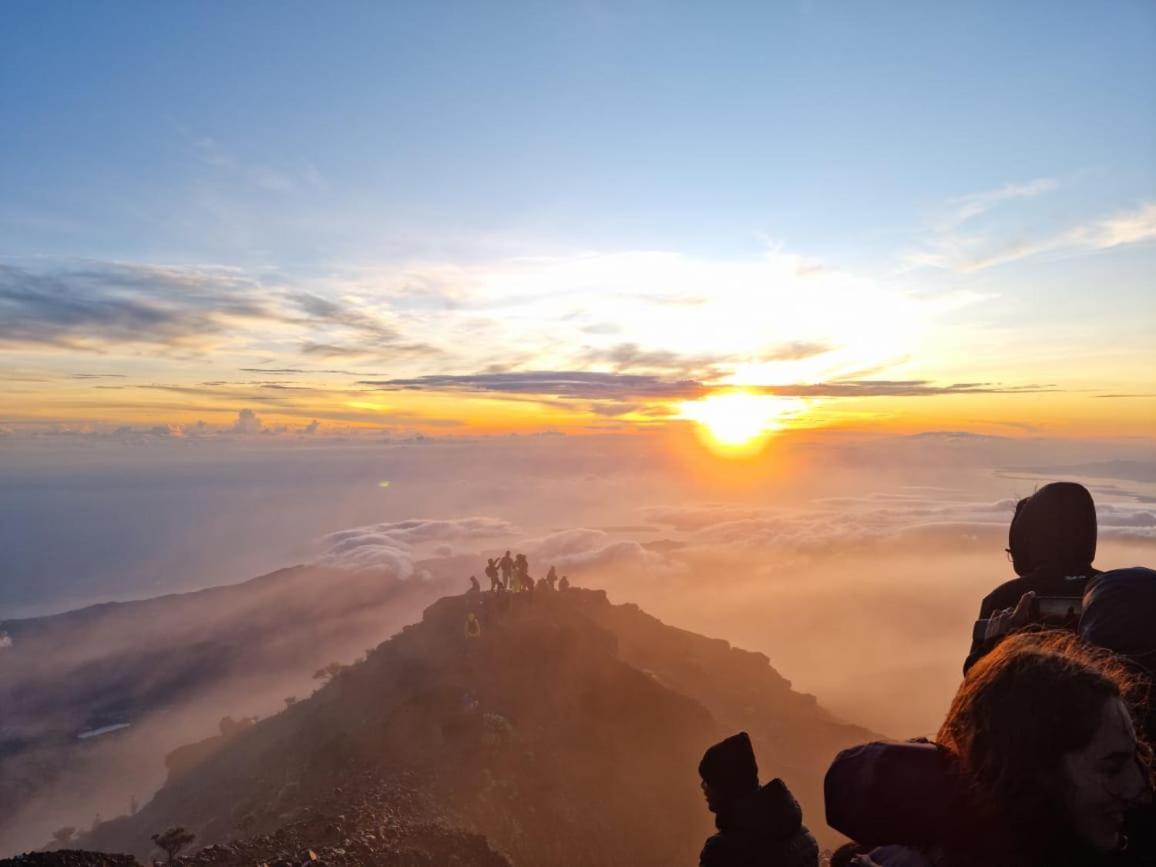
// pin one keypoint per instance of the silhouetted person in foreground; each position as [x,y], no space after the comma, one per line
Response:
[1052,542]
[757,826]
[1120,616]
[1037,765]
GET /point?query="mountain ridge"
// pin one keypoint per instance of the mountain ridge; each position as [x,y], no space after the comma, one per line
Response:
[567,732]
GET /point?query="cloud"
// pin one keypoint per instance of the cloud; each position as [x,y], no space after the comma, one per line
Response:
[97,306]
[978,250]
[895,388]
[390,547]
[87,306]
[248,423]
[573,384]
[583,548]
[879,521]
[632,357]
[331,312]
[294,371]
[595,385]
[967,207]
[797,350]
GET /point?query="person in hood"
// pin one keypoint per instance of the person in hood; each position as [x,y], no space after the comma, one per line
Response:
[1120,615]
[1052,543]
[1037,765]
[758,826]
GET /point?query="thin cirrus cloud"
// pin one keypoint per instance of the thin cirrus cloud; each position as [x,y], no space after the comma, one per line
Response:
[969,236]
[973,205]
[1128,227]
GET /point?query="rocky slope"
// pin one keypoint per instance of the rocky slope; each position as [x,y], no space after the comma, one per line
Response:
[567,733]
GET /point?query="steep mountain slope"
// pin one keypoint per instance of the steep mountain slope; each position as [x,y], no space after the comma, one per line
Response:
[94,698]
[568,733]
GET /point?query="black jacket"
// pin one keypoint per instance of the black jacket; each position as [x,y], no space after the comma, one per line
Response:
[1052,542]
[909,799]
[1007,595]
[764,829]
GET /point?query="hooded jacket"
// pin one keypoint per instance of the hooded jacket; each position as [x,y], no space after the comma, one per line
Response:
[763,829]
[1052,542]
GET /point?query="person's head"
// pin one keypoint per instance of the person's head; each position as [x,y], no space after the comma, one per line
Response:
[729,772]
[1043,730]
[1054,530]
[1120,615]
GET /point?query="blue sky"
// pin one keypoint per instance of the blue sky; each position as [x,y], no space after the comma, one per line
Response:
[943,192]
[329,131]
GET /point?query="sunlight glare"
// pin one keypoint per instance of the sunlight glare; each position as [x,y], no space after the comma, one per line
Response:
[737,423]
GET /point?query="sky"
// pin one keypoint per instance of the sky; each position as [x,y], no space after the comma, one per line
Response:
[473,219]
[857,273]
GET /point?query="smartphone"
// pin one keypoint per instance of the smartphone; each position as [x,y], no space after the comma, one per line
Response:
[1058,610]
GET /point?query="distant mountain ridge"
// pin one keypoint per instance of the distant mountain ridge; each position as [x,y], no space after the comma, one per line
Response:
[567,733]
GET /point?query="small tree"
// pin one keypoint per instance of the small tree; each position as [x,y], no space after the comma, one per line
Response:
[61,837]
[329,672]
[173,841]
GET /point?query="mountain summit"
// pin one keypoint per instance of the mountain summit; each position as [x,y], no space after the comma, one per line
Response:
[564,729]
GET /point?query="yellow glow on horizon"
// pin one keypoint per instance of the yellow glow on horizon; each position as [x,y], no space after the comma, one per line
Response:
[738,423]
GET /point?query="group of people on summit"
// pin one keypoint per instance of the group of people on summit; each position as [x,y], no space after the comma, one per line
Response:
[1043,759]
[512,574]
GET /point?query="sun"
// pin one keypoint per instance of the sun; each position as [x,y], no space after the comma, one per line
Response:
[737,423]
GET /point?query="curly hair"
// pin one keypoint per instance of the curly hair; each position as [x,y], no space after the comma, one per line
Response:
[1036,697]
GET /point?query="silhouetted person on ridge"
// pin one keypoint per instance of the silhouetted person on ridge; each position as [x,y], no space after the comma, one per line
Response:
[506,564]
[757,826]
[475,587]
[1052,542]
[492,573]
[521,572]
